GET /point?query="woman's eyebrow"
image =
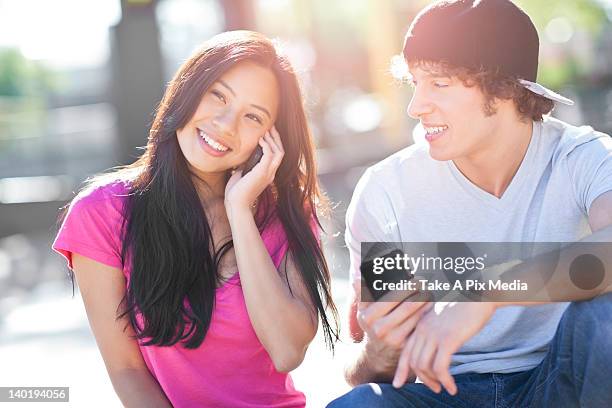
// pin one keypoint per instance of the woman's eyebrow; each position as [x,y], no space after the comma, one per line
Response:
[229,88]
[264,110]
[261,108]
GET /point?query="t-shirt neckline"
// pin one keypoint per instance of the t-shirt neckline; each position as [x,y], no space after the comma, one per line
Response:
[517,181]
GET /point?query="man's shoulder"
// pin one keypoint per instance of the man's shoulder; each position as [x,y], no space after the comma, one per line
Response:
[567,138]
[415,156]
[408,167]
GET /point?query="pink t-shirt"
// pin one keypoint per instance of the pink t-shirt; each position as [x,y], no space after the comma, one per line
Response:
[231,368]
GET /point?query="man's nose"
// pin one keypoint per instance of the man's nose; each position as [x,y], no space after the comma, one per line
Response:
[419,104]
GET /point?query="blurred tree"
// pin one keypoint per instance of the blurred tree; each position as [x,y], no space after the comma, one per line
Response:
[585,14]
[24,85]
[12,67]
[570,60]
[22,77]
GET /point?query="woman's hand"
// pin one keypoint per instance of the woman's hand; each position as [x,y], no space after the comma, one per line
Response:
[241,192]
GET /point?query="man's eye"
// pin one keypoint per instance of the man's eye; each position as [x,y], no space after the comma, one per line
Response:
[255,118]
[440,84]
[219,96]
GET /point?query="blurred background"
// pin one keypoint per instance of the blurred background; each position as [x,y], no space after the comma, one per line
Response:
[79,83]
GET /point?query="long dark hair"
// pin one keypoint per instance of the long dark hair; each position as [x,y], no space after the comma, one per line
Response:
[167,240]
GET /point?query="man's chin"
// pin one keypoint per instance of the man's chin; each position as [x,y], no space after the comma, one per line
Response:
[440,154]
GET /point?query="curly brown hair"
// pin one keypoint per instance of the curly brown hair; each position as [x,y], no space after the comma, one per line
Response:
[494,85]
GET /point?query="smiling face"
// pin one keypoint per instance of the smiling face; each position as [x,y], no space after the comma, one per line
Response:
[452,115]
[233,114]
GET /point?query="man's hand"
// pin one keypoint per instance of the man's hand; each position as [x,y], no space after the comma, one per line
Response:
[387,326]
[437,336]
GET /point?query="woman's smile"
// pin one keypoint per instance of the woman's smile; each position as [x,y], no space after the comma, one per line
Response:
[211,145]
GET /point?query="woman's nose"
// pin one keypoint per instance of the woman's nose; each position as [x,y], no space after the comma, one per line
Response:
[225,122]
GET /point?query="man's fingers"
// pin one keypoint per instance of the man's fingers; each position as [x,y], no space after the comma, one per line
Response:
[424,366]
[367,316]
[396,317]
[441,366]
[403,365]
[407,327]
[430,382]
[419,343]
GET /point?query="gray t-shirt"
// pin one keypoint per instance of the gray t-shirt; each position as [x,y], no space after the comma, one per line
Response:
[410,197]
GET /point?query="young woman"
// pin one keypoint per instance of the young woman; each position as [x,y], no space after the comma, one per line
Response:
[203,283]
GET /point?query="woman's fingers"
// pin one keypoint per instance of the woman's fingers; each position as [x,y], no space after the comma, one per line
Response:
[277,139]
[266,159]
[273,155]
[268,138]
[276,148]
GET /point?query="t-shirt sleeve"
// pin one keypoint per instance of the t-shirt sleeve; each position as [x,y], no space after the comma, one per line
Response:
[590,169]
[369,218]
[92,228]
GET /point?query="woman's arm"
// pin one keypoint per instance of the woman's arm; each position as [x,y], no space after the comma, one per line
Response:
[285,323]
[102,288]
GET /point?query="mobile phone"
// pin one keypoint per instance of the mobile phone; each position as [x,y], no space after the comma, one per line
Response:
[389,275]
[252,160]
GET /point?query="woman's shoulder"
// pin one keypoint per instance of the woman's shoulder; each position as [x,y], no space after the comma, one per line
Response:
[101,201]
[93,223]
[104,191]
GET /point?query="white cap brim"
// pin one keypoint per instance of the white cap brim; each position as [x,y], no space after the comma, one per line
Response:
[545,92]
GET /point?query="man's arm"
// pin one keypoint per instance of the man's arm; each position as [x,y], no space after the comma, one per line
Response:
[361,370]
[440,334]
[561,285]
[381,328]
[600,213]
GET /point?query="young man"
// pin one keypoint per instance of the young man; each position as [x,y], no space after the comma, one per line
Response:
[492,170]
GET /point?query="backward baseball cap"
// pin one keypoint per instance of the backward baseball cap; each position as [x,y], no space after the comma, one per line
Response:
[490,34]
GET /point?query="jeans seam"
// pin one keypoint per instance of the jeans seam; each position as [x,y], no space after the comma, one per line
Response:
[548,378]
[496,404]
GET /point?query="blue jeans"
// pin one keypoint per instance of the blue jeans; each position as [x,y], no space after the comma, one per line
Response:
[576,372]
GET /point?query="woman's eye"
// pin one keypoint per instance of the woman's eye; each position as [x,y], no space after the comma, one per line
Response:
[219,95]
[255,118]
